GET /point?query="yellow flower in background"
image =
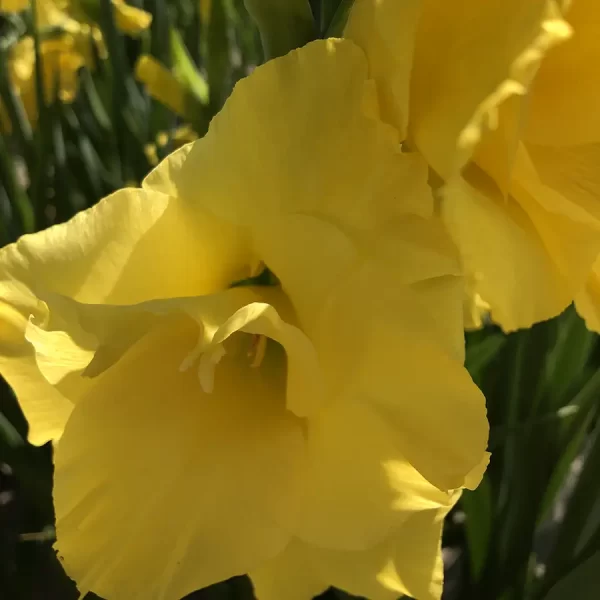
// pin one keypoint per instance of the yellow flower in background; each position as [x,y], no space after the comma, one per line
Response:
[13,5]
[61,59]
[500,98]
[169,140]
[71,14]
[298,424]
[164,86]
[67,36]
[563,133]
[130,19]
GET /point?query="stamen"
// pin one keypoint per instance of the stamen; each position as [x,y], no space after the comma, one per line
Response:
[192,357]
[206,369]
[257,350]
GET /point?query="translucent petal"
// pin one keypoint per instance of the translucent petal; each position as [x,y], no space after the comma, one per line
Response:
[45,408]
[563,104]
[563,179]
[385,30]
[322,150]
[504,253]
[311,255]
[139,519]
[408,562]
[587,301]
[130,19]
[290,575]
[534,249]
[440,421]
[467,63]
[132,246]
[356,485]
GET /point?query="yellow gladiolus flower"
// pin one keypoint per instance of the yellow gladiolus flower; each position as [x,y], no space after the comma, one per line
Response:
[73,13]
[165,87]
[61,60]
[500,98]
[130,19]
[298,424]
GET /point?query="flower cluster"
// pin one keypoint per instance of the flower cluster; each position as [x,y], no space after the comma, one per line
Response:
[253,363]
[69,37]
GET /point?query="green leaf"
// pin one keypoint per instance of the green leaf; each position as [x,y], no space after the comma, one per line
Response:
[582,583]
[43,144]
[88,166]
[482,352]
[16,194]
[218,57]
[123,91]
[522,463]
[21,128]
[9,434]
[579,508]
[567,361]
[247,38]
[478,508]
[572,434]
[283,24]
[185,70]
[338,21]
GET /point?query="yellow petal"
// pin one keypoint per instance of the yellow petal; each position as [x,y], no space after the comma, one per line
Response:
[13,5]
[305,388]
[408,562]
[504,253]
[570,235]
[587,301]
[139,519]
[558,189]
[440,421]
[563,104]
[355,454]
[325,249]
[467,62]
[293,245]
[321,147]
[163,86]
[45,409]
[81,341]
[130,19]
[133,246]
[290,575]
[533,250]
[563,179]
[57,353]
[62,57]
[12,327]
[385,30]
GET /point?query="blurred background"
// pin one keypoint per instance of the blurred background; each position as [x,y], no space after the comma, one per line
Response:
[93,94]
